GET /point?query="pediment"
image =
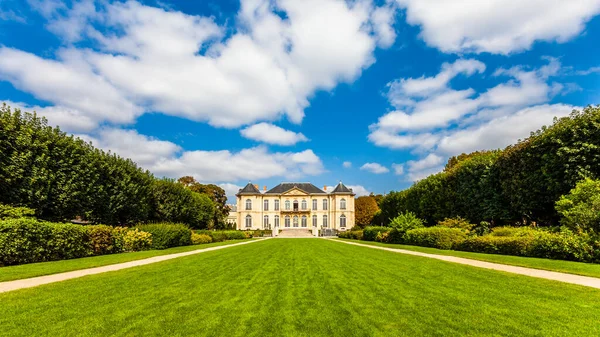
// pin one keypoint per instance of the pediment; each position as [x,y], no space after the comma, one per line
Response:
[294,192]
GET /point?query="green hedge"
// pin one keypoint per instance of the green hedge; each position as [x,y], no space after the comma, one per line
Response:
[355,235]
[370,232]
[506,245]
[219,236]
[436,237]
[167,235]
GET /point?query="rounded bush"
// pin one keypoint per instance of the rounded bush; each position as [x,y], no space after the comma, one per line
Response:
[435,237]
[167,235]
[198,239]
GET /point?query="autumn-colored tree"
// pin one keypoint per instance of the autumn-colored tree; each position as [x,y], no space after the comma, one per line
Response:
[365,209]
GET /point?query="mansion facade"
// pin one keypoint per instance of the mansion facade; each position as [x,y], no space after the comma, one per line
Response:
[295,206]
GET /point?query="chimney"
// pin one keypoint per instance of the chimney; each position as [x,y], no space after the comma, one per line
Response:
[265,188]
[256,185]
[325,188]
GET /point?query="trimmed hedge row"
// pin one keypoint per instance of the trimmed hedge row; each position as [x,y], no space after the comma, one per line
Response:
[518,241]
[219,236]
[166,235]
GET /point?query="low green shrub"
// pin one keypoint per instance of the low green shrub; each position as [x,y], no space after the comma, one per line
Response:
[167,235]
[513,231]
[12,212]
[355,235]
[436,237]
[259,233]
[198,239]
[564,245]
[457,222]
[370,232]
[101,239]
[580,208]
[219,236]
[489,244]
[405,222]
[135,240]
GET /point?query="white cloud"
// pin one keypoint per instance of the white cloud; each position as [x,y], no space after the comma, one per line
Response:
[69,119]
[497,26]
[347,164]
[419,169]
[374,168]
[185,65]
[398,169]
[165,158]
[359,190]
[272,134]
[230,189]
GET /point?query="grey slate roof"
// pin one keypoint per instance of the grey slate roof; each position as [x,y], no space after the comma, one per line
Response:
[341,188]
[306,187]
[248,189]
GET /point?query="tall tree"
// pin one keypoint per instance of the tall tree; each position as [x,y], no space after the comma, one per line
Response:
[215,193]
[365,209]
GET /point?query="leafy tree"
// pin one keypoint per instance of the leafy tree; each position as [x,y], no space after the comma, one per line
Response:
[580,209]
[216,194]
[405,222]
[365,208]
[173,202]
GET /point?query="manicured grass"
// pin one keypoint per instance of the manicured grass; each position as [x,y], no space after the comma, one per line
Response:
[302,287]
[54,267]
[578,268]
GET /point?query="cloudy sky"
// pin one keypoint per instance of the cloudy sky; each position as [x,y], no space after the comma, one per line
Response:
[377,94]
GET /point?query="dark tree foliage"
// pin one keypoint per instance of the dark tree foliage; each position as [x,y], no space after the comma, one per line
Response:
[62,177]
[173,202]
[518,184]
[216,194]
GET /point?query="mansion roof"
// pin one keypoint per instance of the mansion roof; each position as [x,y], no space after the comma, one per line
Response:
[309,188]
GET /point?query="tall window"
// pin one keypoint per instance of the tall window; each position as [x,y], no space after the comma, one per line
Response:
[266,221]
[276,205]
[324,220]
[315,202]
[295,205]
[324,204]
[277,221]
[266,205]
[314,217]
[304,206]
[342,221]
[295,221]
[248,204]
[287,205]
[248,220]
[304,221]
[287,221]
[343,204]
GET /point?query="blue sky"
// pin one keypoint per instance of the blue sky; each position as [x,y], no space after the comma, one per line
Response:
[377,94]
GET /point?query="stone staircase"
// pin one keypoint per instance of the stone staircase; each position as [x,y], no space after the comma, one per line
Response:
[296,233]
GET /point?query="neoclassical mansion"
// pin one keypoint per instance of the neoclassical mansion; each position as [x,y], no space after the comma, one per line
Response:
[295,206]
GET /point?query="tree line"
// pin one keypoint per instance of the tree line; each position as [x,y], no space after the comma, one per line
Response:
[62,177]
[519,184]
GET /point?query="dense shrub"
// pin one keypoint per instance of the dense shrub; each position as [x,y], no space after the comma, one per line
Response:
[28,240]
[370,232]
[355,235]
[563,245]
[506,245]
[580,209]
[513,231]
[173,202]
[101,239]
[134,240]
[167,235]
[457,222]
[260,233]
[436,237]
[11,212]
[219,236]
[405,222]
[198,239]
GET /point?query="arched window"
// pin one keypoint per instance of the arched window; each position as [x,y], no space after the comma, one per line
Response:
[295,205]
[342,221]
[287,205]
[304,205]
[277,221]
[248,220]
[324,204]
[324,220]
[266,221]
[315,202]
[287,221]
[266,205]
[295,221]
[304,221]
[314,217]
[343,204]
[276,205]
[248,204]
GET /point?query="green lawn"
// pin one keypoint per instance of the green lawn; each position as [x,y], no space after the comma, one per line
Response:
[578,268]
[54,267]
[302,287]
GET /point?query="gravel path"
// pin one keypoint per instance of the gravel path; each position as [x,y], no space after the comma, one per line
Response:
[539,273]
[40,280]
